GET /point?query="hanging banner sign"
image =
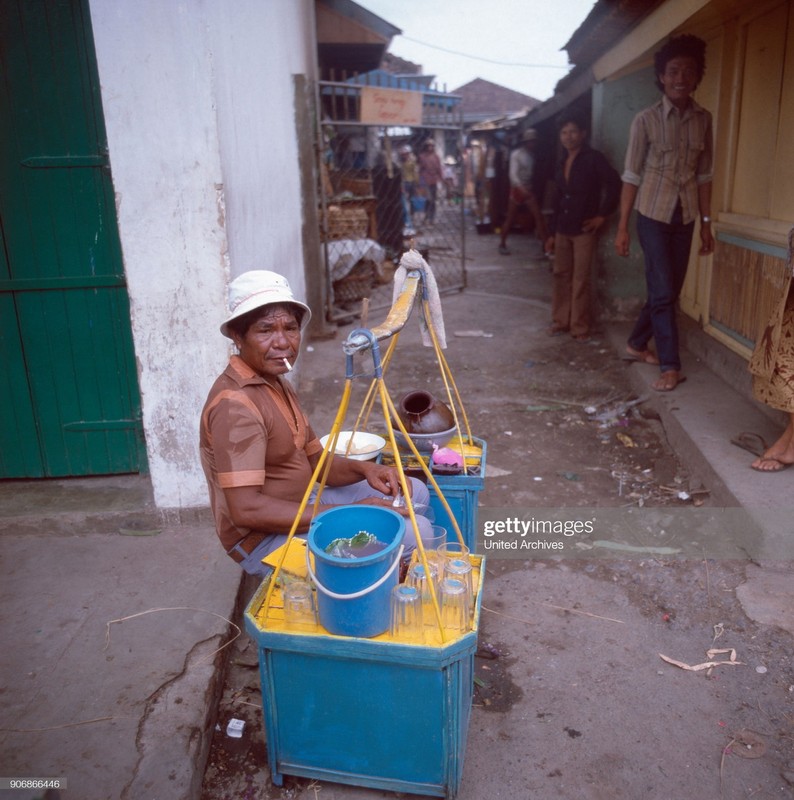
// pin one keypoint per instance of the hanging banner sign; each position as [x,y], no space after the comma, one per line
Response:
[390,106]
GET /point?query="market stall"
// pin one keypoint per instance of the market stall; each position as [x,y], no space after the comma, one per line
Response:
[334,625]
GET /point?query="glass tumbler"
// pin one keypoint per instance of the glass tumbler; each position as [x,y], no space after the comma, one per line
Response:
[449,550]
[460,568]
[406,623]
[454,606]
[300,609]
[425,511]
[419,579]
[438,537]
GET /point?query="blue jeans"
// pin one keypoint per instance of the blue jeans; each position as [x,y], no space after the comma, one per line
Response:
[666,249]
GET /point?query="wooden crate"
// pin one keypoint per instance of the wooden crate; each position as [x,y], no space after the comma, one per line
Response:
[357,284]
[355,185]
[347,223]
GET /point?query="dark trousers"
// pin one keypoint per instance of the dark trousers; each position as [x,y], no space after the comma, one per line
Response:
[666,249]
[432,199]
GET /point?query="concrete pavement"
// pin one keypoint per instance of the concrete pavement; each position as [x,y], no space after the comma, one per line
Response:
[111,623]
[112,617]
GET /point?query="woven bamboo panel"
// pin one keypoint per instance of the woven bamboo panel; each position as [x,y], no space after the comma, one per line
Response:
[745,287]
[347,223]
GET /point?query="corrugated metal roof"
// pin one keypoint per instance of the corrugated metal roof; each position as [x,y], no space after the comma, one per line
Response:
[607,23]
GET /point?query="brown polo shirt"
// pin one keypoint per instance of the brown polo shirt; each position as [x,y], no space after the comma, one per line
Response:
[252,436]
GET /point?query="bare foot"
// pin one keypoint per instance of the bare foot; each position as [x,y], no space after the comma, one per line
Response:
[766,464]
[783,449]
[668,381]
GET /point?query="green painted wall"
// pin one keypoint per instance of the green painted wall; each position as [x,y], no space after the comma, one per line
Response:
[621,281]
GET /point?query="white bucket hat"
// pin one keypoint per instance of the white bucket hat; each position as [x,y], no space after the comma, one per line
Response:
[258,288]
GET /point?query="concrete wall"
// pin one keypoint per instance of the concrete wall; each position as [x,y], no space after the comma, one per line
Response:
[198,104]
[621,281]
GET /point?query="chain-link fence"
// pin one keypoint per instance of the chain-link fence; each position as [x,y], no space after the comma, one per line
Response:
[384,190]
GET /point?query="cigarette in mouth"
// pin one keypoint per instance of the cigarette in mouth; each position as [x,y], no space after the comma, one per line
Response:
[287,364]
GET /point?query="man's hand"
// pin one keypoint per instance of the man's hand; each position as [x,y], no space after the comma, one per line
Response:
[593,224]
[384,502]
[384,479]
[706,239]
[628,194]
[622,243]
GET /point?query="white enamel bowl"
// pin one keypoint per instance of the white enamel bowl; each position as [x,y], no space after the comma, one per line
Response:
[365,447]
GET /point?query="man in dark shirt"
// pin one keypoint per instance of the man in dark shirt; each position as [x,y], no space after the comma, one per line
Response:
[587,192]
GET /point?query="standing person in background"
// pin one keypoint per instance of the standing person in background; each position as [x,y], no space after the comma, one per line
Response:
[450,179]
[667,177]
[431,173]
[587,190]
[522,167]
[410,175]
[476,173]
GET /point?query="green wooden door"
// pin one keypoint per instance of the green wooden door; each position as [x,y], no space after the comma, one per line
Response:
[69,399]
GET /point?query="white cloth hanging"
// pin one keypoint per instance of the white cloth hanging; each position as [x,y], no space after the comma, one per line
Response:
[344,254]
[412,259]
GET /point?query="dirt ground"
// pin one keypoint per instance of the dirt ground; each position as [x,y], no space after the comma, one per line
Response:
[572,699]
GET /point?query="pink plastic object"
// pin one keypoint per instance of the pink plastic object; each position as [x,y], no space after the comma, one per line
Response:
[445,456]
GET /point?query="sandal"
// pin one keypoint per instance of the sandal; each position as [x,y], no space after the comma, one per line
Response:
[751,442]
[668,381]
[778,465]
[643,356]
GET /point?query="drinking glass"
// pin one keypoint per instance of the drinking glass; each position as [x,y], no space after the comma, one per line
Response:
[300,609]
[425,511]
[418,578]
[406,622]
[450,550]
[460,569]
[454,606]
[438,537]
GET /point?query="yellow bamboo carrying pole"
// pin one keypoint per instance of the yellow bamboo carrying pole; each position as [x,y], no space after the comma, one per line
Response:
[329,447]
[446,373]
[367,339]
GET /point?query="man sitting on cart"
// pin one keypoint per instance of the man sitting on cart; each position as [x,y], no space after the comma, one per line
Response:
[258,449]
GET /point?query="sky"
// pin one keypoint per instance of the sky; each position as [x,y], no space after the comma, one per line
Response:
[525,37]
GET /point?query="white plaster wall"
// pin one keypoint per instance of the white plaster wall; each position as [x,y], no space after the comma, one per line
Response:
[255,61]
[197,97]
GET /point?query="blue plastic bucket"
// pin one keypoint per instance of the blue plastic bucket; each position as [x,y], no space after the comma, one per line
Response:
[353,593]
